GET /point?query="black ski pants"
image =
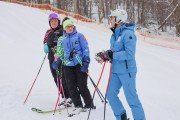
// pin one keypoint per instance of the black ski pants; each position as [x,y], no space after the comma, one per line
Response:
[77,85]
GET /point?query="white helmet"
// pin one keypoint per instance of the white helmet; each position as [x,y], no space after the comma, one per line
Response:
[121,15]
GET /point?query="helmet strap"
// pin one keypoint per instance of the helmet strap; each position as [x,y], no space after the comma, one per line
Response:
[118,22]
[115,23]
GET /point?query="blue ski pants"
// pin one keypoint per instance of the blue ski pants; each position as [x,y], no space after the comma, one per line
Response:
[127,81]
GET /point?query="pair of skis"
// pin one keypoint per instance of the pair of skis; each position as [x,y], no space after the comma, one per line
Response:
[40,111]
[43,111]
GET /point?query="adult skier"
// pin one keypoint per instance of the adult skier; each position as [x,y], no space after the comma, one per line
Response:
[122,56]
[50,45]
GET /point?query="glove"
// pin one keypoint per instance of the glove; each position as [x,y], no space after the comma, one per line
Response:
[108,55]
[72,54]
[46,48]
[100,57]
[84,67]
[104,56]
[86,61]
[56,64]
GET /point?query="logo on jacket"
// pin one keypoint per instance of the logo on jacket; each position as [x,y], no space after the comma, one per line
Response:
[76,43]
[75,37]
[130,37]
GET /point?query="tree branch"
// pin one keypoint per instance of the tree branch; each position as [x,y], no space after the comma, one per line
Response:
[169,15]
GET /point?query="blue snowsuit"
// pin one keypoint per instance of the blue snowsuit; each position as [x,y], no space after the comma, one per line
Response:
[74,71]
[123,43]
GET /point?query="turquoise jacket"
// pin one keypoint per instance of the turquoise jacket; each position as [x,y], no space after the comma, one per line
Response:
[123,43]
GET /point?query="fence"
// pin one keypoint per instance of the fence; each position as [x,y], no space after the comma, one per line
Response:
[49,7]
[160,37]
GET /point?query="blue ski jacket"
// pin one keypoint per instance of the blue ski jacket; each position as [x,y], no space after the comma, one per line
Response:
[73,41]
[123,45]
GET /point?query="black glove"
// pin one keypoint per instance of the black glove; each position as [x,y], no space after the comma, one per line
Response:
[52,39]
[108,55]
[72,54]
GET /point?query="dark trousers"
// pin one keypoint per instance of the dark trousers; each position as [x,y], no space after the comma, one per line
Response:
[57,81]
[77,85]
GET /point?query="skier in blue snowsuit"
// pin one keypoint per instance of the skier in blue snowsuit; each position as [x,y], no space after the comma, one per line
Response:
[122,56]
[73,51]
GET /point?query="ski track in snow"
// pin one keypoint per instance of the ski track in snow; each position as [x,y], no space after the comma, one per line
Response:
[21,35]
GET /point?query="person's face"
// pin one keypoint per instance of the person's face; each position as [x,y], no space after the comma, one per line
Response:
[69,28]
[112,21]
[54,23]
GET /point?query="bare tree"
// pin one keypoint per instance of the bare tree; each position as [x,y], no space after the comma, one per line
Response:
[39,1]
[100,11]
[169,15]
[46,1]
[163,13]
[107,4]
[90,9]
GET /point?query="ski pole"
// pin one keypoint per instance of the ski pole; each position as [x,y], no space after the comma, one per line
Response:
[96,87]
[35,80]
[59,92]
[107,90]
[60,89]
[98,91]
[58,100]
[80,62]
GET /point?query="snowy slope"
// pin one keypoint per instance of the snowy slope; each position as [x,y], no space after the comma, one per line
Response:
[21,35]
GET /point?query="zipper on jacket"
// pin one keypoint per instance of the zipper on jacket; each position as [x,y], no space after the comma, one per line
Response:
[68,45]
[114,39]
[71,49]
[127,64]
[127,68]
[73,58]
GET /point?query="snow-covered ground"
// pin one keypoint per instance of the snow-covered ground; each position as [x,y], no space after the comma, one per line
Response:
[21,34]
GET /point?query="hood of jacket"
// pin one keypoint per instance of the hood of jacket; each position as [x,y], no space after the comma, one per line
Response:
[118,31]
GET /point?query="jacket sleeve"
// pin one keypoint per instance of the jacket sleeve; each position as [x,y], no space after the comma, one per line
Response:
[60,51]
[46,35]
[128,53]
[84,45]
